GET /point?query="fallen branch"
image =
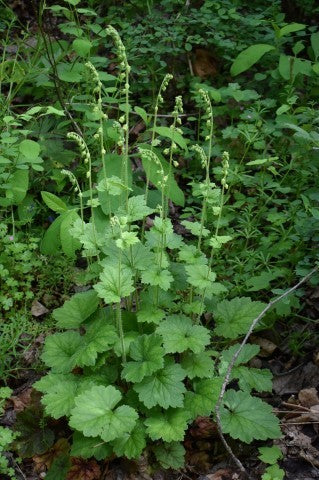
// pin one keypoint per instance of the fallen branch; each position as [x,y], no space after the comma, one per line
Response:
[232,363]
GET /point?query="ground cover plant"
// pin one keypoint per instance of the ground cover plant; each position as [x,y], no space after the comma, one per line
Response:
[160,207]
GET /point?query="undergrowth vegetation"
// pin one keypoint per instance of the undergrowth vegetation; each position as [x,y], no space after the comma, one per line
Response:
[158,186]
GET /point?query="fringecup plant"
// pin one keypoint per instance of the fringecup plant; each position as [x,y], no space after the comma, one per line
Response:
[132,366]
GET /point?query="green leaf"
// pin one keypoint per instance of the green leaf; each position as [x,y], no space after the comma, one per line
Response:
[59,468]
[253,378]
[248,57]
[114,168]
[95,414]
[76,310]
[87,447]
[148,353]
[131,445]
[150,314]
[200,276]
[137,208]
[71,73]
[179,334]
[248,352]
[202,401]
[165,387]
[198,365]
[191,255]
[99,338]
[248,418]
[169,426]
[290,28]
[274,472]
[195,228]
[54,111]
[218,241]
[51,242]
[59,393]
[315,44]
[54,202]
[59,350]
[234,317]
[114,284]
[172,189]
[29,149]
[170,455]
[262,281]
[142,113]
[19,183]
[27,209]
[157,276]
[82,46]
[270,455]
[69,242]
[173,135]
[34,437]
[72,2]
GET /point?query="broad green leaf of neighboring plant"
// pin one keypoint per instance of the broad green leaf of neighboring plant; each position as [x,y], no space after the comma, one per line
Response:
[60,349]
[76,310]
[148,355]
[179,334]
[19,183]
[156,276]
[234,317]
[290,28]
[114,284]
[51,243]
[30,149]
[198,365]
[172,189]
[82,46]
[315,44]
[95,414]
[143,114]
[248,418]
[165,387]
[69,243]
[173,135]
[54,202]
[87,447]
[248,57]
[132,444]
[170,455]
[169,426]
[202,401]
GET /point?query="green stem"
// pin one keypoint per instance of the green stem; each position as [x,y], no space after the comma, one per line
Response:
[119,313]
